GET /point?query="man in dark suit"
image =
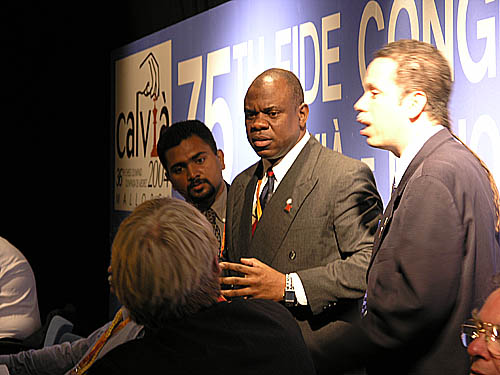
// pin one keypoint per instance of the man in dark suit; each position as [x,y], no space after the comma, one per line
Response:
[437,245]
[308,242]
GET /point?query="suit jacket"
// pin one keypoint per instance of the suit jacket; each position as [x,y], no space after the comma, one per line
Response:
[326,236]
[433,258]
[241,337]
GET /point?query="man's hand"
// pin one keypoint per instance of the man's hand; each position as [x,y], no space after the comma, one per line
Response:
[259,280]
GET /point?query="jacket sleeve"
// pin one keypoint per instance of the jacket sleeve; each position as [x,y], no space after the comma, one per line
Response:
[356,212]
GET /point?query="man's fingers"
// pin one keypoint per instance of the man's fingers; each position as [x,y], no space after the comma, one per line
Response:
[252,262]
[233,280]
[235,267]
[236,292]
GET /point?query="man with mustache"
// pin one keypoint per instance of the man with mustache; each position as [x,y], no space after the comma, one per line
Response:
[193,164]
[300,222]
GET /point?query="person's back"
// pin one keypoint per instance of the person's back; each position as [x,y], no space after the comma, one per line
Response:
[166,273]
[19,314]
[243,336]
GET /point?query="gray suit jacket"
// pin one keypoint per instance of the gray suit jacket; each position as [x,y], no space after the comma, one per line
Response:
[326,237]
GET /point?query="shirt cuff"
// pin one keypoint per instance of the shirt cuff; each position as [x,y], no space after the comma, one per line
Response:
[300,293]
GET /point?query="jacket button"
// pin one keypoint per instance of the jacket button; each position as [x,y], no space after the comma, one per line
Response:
[292,255]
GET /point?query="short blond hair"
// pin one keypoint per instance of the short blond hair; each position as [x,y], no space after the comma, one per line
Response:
[164,262]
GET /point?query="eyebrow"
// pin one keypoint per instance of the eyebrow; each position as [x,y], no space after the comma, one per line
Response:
[370,86]
[195,156]
[264,110]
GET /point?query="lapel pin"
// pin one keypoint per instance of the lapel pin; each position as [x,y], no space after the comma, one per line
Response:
[382,227]
[288,206]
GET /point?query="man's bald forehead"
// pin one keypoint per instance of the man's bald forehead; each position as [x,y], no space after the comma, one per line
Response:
[290,79]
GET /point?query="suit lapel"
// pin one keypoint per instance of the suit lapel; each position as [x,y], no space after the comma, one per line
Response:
[384,223]
[242,214]
[276,220]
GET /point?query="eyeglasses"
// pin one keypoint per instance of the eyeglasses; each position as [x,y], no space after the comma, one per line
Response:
[472,329]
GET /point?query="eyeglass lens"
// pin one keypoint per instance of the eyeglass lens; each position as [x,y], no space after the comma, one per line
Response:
[472,330]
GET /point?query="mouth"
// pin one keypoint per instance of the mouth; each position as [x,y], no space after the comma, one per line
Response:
[261,142]
[197,185]
[360,118]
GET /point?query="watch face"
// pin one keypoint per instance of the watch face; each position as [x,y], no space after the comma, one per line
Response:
[289,297]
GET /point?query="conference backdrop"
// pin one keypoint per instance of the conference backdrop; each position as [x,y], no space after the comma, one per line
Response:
[201,68]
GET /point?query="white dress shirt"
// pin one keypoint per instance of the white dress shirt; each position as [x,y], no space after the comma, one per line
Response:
[19,314]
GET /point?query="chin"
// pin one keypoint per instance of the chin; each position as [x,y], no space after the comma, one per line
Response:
[264,154]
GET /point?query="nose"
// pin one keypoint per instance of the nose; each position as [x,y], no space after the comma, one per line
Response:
[192,171]
[360,104]
[259,122]
[478,348]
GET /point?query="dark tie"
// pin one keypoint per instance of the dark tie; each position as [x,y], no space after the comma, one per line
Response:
[211,217]
[268,189]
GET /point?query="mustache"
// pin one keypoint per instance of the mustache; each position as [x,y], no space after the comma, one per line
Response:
[196,182]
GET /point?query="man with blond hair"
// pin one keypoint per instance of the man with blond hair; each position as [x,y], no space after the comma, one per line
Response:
[438,242]
[166,273]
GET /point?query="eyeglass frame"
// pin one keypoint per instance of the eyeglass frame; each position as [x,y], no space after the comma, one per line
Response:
[491,331]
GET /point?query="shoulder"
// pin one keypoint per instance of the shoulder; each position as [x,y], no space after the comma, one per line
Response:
[331,161]
[452,164]
[343,161]
[244,176]
[342,171]
[12,259]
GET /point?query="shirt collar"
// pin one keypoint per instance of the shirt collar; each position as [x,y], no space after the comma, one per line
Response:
[416,143]
[284,165]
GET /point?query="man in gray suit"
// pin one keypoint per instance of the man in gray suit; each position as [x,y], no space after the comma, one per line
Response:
[300,222]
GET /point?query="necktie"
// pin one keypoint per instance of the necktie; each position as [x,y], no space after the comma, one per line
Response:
[364,308]
[268,189]
[211,217]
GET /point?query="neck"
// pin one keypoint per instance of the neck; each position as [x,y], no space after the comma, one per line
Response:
[411,132]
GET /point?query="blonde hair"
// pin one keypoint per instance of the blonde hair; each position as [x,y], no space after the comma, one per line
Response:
[164,262]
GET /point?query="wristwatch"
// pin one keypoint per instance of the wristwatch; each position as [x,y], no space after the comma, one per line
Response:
[289,295]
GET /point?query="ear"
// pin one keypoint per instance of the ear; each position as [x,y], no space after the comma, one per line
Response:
[220,156]
[415,103]
[215,266]
[303,112]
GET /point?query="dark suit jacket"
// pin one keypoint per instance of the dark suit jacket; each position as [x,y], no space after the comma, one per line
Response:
[326,237]
[241,337]
[433,258]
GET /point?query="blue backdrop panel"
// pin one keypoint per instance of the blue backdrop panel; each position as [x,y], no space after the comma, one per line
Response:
[202,67]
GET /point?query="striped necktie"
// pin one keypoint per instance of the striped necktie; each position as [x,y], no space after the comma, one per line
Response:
[211,217]
[268,189]
[263,198]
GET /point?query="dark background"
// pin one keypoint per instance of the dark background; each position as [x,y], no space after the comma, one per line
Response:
[55,198]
